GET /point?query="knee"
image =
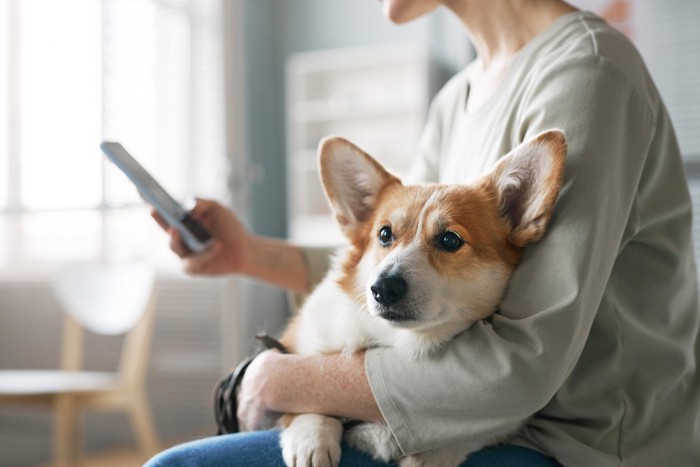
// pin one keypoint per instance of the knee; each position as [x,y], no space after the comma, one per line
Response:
[173,457]
[238,450]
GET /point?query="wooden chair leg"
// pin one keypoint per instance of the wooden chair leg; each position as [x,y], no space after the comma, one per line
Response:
[142,422]
[66,432]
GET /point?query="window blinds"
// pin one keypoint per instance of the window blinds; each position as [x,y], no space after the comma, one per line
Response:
[148,73]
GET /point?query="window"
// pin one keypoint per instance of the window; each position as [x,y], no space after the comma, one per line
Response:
[4,108]
[147,73]
[60,97]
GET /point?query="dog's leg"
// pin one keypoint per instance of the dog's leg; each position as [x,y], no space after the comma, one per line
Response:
[311,440]
[375,439]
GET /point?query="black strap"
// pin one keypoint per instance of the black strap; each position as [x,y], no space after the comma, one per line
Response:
[226,390]
[271,343]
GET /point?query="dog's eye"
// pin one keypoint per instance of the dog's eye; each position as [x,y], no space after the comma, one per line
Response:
[386,237]
[449,241]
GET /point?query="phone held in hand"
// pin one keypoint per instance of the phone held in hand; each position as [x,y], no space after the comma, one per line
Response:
[193,234]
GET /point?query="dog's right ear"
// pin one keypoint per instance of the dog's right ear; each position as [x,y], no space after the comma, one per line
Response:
[526,184]
[352,181]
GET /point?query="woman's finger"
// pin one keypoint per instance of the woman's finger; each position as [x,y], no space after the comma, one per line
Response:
[202,208]
[199,263]
[161,222]
[176,243]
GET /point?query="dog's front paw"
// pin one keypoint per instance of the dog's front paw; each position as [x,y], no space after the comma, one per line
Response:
[312,440]
[446,457]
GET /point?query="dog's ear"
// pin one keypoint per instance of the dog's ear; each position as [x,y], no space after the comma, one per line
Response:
[352,181]
[526,184]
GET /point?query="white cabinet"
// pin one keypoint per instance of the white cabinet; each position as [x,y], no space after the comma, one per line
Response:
[377,97]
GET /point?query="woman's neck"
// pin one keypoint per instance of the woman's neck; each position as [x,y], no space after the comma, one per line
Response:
[500,28]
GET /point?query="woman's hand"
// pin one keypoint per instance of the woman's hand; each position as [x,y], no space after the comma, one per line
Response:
[330,384]
[253,412]
[229,254]
[236,251]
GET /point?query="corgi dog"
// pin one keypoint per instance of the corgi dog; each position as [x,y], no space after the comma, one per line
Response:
[424,263]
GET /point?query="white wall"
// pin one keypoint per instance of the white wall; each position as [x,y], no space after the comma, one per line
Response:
[275,29]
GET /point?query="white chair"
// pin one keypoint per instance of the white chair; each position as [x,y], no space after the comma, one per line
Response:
[107,299]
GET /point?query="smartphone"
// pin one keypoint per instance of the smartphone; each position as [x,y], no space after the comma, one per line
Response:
[193,234]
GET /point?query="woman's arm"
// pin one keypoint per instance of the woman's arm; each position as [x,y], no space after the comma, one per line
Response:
[237,251]
[334,384]
[277,262]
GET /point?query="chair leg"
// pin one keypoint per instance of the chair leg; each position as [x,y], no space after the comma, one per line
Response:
[142,422]
[66,432]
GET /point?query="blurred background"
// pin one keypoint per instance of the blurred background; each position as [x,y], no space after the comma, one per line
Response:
[223,99]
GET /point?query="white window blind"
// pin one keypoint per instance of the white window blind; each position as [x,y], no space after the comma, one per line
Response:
[694,183]
[4,106]
[59,94]
[148,73]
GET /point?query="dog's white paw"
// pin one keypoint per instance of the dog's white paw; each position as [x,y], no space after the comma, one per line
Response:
[374,439]
[312,440]
[446,457]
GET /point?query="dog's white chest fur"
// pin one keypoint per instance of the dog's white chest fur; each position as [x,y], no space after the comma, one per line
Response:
[333,322]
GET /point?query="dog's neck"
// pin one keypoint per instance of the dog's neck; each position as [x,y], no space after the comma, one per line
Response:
[415,344]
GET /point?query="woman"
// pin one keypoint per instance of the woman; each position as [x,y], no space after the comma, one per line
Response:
[594,346]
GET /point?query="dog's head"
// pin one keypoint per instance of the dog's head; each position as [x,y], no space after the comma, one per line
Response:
[426,256]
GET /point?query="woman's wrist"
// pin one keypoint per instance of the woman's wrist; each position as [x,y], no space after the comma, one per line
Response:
[275,261]
[246,255]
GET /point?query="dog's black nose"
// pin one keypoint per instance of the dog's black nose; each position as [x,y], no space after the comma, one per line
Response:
[388,290]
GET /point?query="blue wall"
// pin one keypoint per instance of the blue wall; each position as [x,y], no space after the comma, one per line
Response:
[274,29]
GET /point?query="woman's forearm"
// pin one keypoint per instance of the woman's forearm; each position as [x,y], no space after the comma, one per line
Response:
[277,262]
[333,384]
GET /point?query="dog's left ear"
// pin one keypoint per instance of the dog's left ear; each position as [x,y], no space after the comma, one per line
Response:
[352,181]
[526,183]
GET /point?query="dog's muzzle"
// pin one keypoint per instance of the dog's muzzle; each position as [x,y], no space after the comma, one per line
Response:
[389,291]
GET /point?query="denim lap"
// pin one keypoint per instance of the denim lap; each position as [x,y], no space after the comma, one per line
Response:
[262,449]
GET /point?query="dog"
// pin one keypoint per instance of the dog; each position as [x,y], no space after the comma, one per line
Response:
[424,263]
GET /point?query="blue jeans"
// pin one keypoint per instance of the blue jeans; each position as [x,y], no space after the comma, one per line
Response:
[262,449]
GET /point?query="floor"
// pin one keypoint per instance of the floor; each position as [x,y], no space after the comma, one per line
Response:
[126,457]
[120,458]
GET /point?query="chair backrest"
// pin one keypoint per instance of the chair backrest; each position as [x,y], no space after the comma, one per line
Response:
[105,298]
[109,299]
